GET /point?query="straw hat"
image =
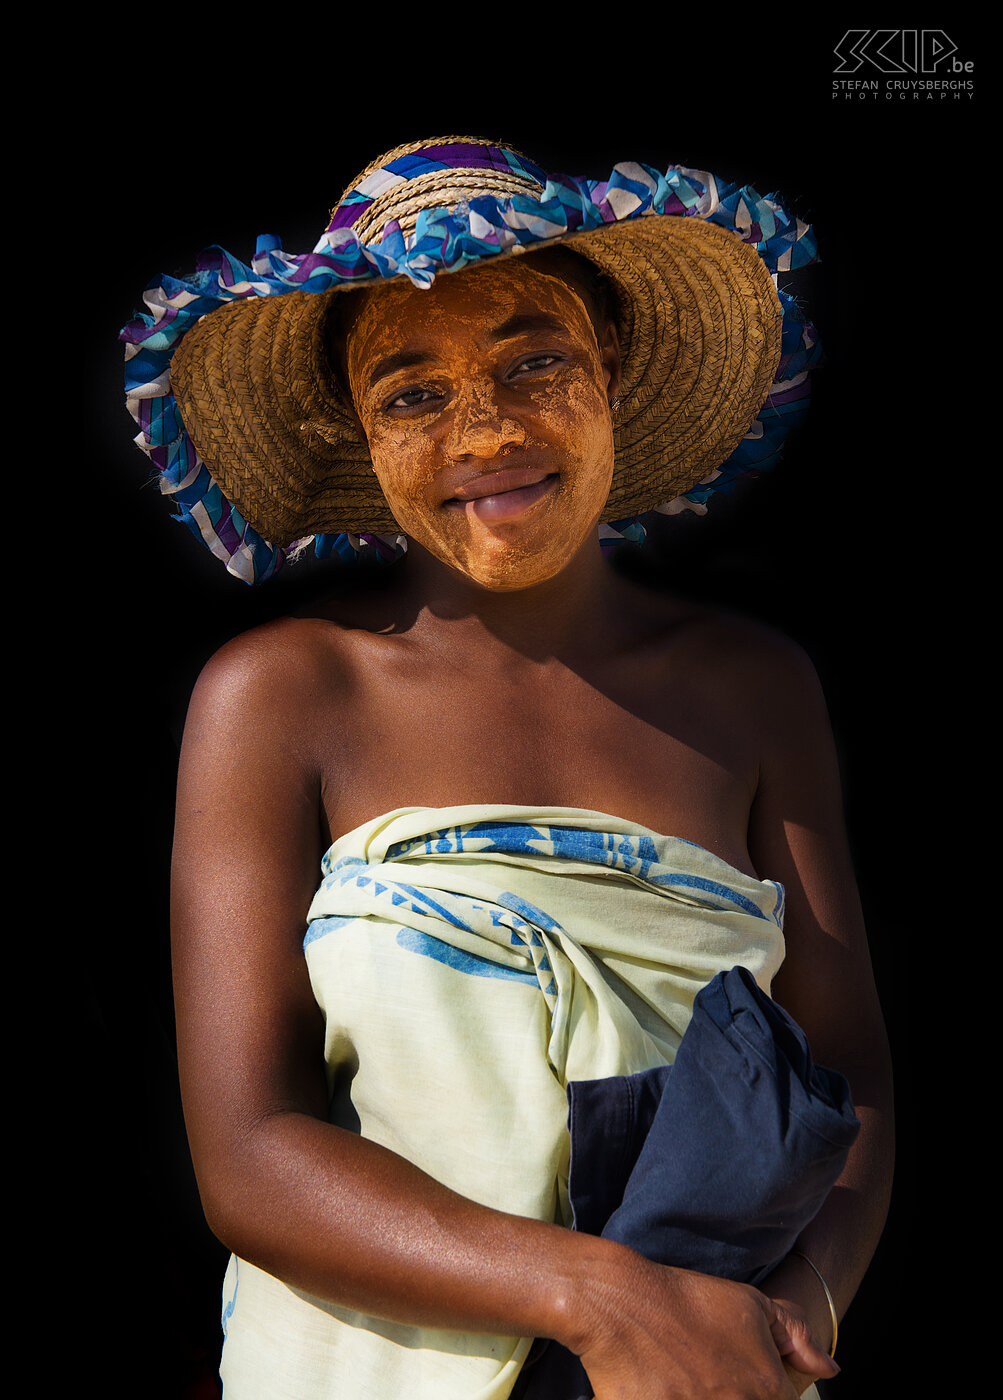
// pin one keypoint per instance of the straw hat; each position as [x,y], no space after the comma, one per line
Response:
[262,439]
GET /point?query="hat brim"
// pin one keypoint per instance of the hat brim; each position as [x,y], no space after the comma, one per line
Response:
[231,373]
[700,340]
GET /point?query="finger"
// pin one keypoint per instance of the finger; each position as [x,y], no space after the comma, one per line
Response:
[801,1380]
[797,1346]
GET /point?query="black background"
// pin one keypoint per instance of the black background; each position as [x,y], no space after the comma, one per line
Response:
[859,545]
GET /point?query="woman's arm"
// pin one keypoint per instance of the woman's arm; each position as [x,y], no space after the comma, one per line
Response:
[324,1209]
[797,836]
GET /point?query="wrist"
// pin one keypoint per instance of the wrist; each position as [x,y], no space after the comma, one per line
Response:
[595,1302]
[797,1284]
[830,1304]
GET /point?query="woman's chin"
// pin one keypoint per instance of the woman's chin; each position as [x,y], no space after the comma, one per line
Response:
[509,557]
[512,569]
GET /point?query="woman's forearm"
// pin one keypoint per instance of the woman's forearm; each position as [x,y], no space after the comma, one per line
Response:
[343,1219]
[842,1238]
[339,1217]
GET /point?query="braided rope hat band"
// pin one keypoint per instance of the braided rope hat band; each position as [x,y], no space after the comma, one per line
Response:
[229,379]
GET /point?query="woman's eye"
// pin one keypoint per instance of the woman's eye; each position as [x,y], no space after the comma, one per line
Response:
[411,398]
[535,362]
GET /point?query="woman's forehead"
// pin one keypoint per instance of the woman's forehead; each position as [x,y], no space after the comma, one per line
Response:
[511,296]
[482,294]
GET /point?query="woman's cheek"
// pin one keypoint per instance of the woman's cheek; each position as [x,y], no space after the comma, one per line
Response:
[390,448]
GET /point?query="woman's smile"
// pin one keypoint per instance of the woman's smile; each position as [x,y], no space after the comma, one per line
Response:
[503,495]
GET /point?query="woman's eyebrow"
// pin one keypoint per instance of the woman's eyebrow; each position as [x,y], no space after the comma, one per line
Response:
[526,322]
[403,359]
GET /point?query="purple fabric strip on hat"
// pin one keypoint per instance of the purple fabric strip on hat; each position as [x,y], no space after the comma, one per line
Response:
[226,533]
[458,155]
[346,214]
[782,395]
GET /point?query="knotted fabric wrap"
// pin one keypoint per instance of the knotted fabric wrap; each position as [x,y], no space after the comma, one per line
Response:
[715,1164]
[470,963]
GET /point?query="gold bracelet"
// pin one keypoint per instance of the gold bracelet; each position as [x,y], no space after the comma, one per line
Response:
[828,1298]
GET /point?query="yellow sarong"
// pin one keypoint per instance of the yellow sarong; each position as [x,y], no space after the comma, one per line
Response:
[469,963]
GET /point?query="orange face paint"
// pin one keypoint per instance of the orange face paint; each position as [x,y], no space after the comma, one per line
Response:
[484,402]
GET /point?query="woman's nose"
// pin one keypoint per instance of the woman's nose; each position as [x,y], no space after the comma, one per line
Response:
[478,427]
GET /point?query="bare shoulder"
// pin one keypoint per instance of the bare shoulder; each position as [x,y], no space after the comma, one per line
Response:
[273,673]
[739,666]
[769,666]
[290,650]
[253,756]
[747,648]
[776,694]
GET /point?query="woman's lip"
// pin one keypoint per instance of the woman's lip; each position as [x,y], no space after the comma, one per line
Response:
[495,483]
[506,503]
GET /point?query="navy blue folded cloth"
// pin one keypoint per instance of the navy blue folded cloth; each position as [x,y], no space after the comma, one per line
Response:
[716,1163]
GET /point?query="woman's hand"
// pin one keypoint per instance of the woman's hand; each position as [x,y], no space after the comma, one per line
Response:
[668,1334]
[795,1291]
[797,1346]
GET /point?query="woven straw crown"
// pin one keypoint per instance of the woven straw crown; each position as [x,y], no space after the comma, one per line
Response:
[699,326]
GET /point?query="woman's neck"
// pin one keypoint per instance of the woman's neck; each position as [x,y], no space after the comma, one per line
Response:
[577,613]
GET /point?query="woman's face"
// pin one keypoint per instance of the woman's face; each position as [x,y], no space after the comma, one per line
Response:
[485,403]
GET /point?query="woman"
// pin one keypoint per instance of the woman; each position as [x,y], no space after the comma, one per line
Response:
[491,745]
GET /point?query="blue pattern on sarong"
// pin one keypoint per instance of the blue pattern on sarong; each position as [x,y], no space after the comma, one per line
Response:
[456,958]
[634,855]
